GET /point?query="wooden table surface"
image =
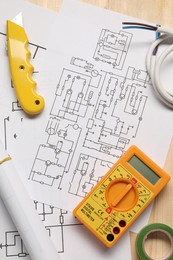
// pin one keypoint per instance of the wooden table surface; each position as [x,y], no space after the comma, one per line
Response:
[156,11]
[159,12]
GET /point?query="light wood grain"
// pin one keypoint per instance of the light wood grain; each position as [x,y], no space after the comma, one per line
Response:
[158,12]
[162,212]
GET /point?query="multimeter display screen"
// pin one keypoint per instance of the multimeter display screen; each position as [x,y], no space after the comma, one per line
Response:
[143,169]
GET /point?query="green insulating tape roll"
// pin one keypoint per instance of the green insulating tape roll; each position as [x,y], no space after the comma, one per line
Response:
[142,236]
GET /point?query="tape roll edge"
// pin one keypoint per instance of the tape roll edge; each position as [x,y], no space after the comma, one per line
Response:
[141,237]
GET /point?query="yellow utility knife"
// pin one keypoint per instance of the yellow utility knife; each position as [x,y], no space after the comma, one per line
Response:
[21,69]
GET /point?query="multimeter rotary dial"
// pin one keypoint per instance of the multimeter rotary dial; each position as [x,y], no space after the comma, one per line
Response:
[121,195]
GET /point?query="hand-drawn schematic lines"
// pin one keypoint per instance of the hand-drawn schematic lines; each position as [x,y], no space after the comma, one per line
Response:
[99,123]
[120,96]
[94,116]
[13,246]
[112,48]
[55,220]
[73,97]
[53,160]
[88,172]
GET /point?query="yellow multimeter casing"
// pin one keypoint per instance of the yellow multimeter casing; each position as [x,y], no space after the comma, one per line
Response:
[121,196]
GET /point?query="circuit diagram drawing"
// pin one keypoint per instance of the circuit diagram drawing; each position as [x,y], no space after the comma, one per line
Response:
[87,165]
[94,116]
[112,47]
[56,222]
[13,245]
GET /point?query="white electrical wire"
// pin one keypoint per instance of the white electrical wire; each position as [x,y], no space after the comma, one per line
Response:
[154,66]
[153,62]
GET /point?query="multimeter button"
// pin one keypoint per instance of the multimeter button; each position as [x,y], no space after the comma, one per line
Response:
[110,237]
[122,223]
[116,230]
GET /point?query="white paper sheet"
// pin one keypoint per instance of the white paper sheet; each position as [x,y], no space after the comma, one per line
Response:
[99,101]
[37,22]
[102,103]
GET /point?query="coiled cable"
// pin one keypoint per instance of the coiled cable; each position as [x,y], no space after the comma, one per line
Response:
[153,64]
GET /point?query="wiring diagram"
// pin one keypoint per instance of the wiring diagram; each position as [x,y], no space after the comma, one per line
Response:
[56,222]
[95,115]
[97,111]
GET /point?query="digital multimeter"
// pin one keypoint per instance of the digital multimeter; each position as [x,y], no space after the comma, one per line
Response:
[121,196]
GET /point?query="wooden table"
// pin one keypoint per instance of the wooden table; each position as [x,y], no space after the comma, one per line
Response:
[156,11]
[159,12]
